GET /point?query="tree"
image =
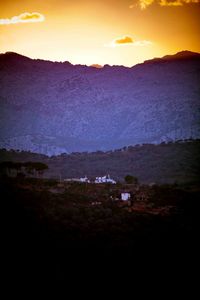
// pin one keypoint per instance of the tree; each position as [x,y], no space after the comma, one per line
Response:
[29,167]
[38,167]
[10,168]
[130,179]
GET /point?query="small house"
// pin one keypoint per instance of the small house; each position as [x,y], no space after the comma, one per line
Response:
[125,196]
[84,179]
[71,180]
[105,179]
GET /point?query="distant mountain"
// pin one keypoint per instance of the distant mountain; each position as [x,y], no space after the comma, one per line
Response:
[183,55]
[54,107]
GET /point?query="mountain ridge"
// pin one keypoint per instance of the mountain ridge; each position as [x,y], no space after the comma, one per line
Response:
[184,54]
[51,107]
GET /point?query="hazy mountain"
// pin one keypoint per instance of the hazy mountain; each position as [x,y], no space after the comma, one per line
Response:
[51,107]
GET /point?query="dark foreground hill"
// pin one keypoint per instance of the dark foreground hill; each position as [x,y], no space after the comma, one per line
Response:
[50,108]
[50,236]
[165,163]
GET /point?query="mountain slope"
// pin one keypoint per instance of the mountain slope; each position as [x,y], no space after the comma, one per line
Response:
[50,107]
[164,163]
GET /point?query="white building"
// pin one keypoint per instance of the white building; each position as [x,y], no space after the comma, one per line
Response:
[125,196]
[105,179]
[84,179]
[71,180]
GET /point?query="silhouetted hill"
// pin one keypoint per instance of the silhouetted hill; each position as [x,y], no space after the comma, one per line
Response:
[54,107]
[183,55]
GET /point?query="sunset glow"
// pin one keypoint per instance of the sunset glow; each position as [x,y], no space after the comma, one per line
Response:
[121,32]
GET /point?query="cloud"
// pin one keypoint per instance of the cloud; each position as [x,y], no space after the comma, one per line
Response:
[128,41]
[124,40]
[143,4]
[176,2]
[23,18]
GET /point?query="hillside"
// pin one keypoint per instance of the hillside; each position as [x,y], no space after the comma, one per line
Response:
[52,108]
[165,163]
[47,235]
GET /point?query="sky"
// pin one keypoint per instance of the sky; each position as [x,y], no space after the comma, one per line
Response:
[114,32]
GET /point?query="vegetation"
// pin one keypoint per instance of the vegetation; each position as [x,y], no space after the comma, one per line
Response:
[49,225]
[165,163]
[17,168]
[130,179]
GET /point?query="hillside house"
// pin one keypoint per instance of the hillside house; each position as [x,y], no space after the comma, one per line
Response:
[82,179]
[125,196]
[71,180]
[105,179]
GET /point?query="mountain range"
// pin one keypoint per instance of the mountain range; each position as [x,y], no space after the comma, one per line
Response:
[56,107]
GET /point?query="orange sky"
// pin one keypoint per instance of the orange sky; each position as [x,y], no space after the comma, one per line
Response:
[120,32]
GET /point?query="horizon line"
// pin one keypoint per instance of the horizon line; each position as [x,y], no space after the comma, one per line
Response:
[94,65]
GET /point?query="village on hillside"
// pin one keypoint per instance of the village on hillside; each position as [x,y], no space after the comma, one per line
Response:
[102,191]
[124,195]
[98,191]
[103,179]
[130,195]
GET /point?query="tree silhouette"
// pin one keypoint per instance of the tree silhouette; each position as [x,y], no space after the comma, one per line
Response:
[36,168]
[130,179]
[40,168]
[7,168]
